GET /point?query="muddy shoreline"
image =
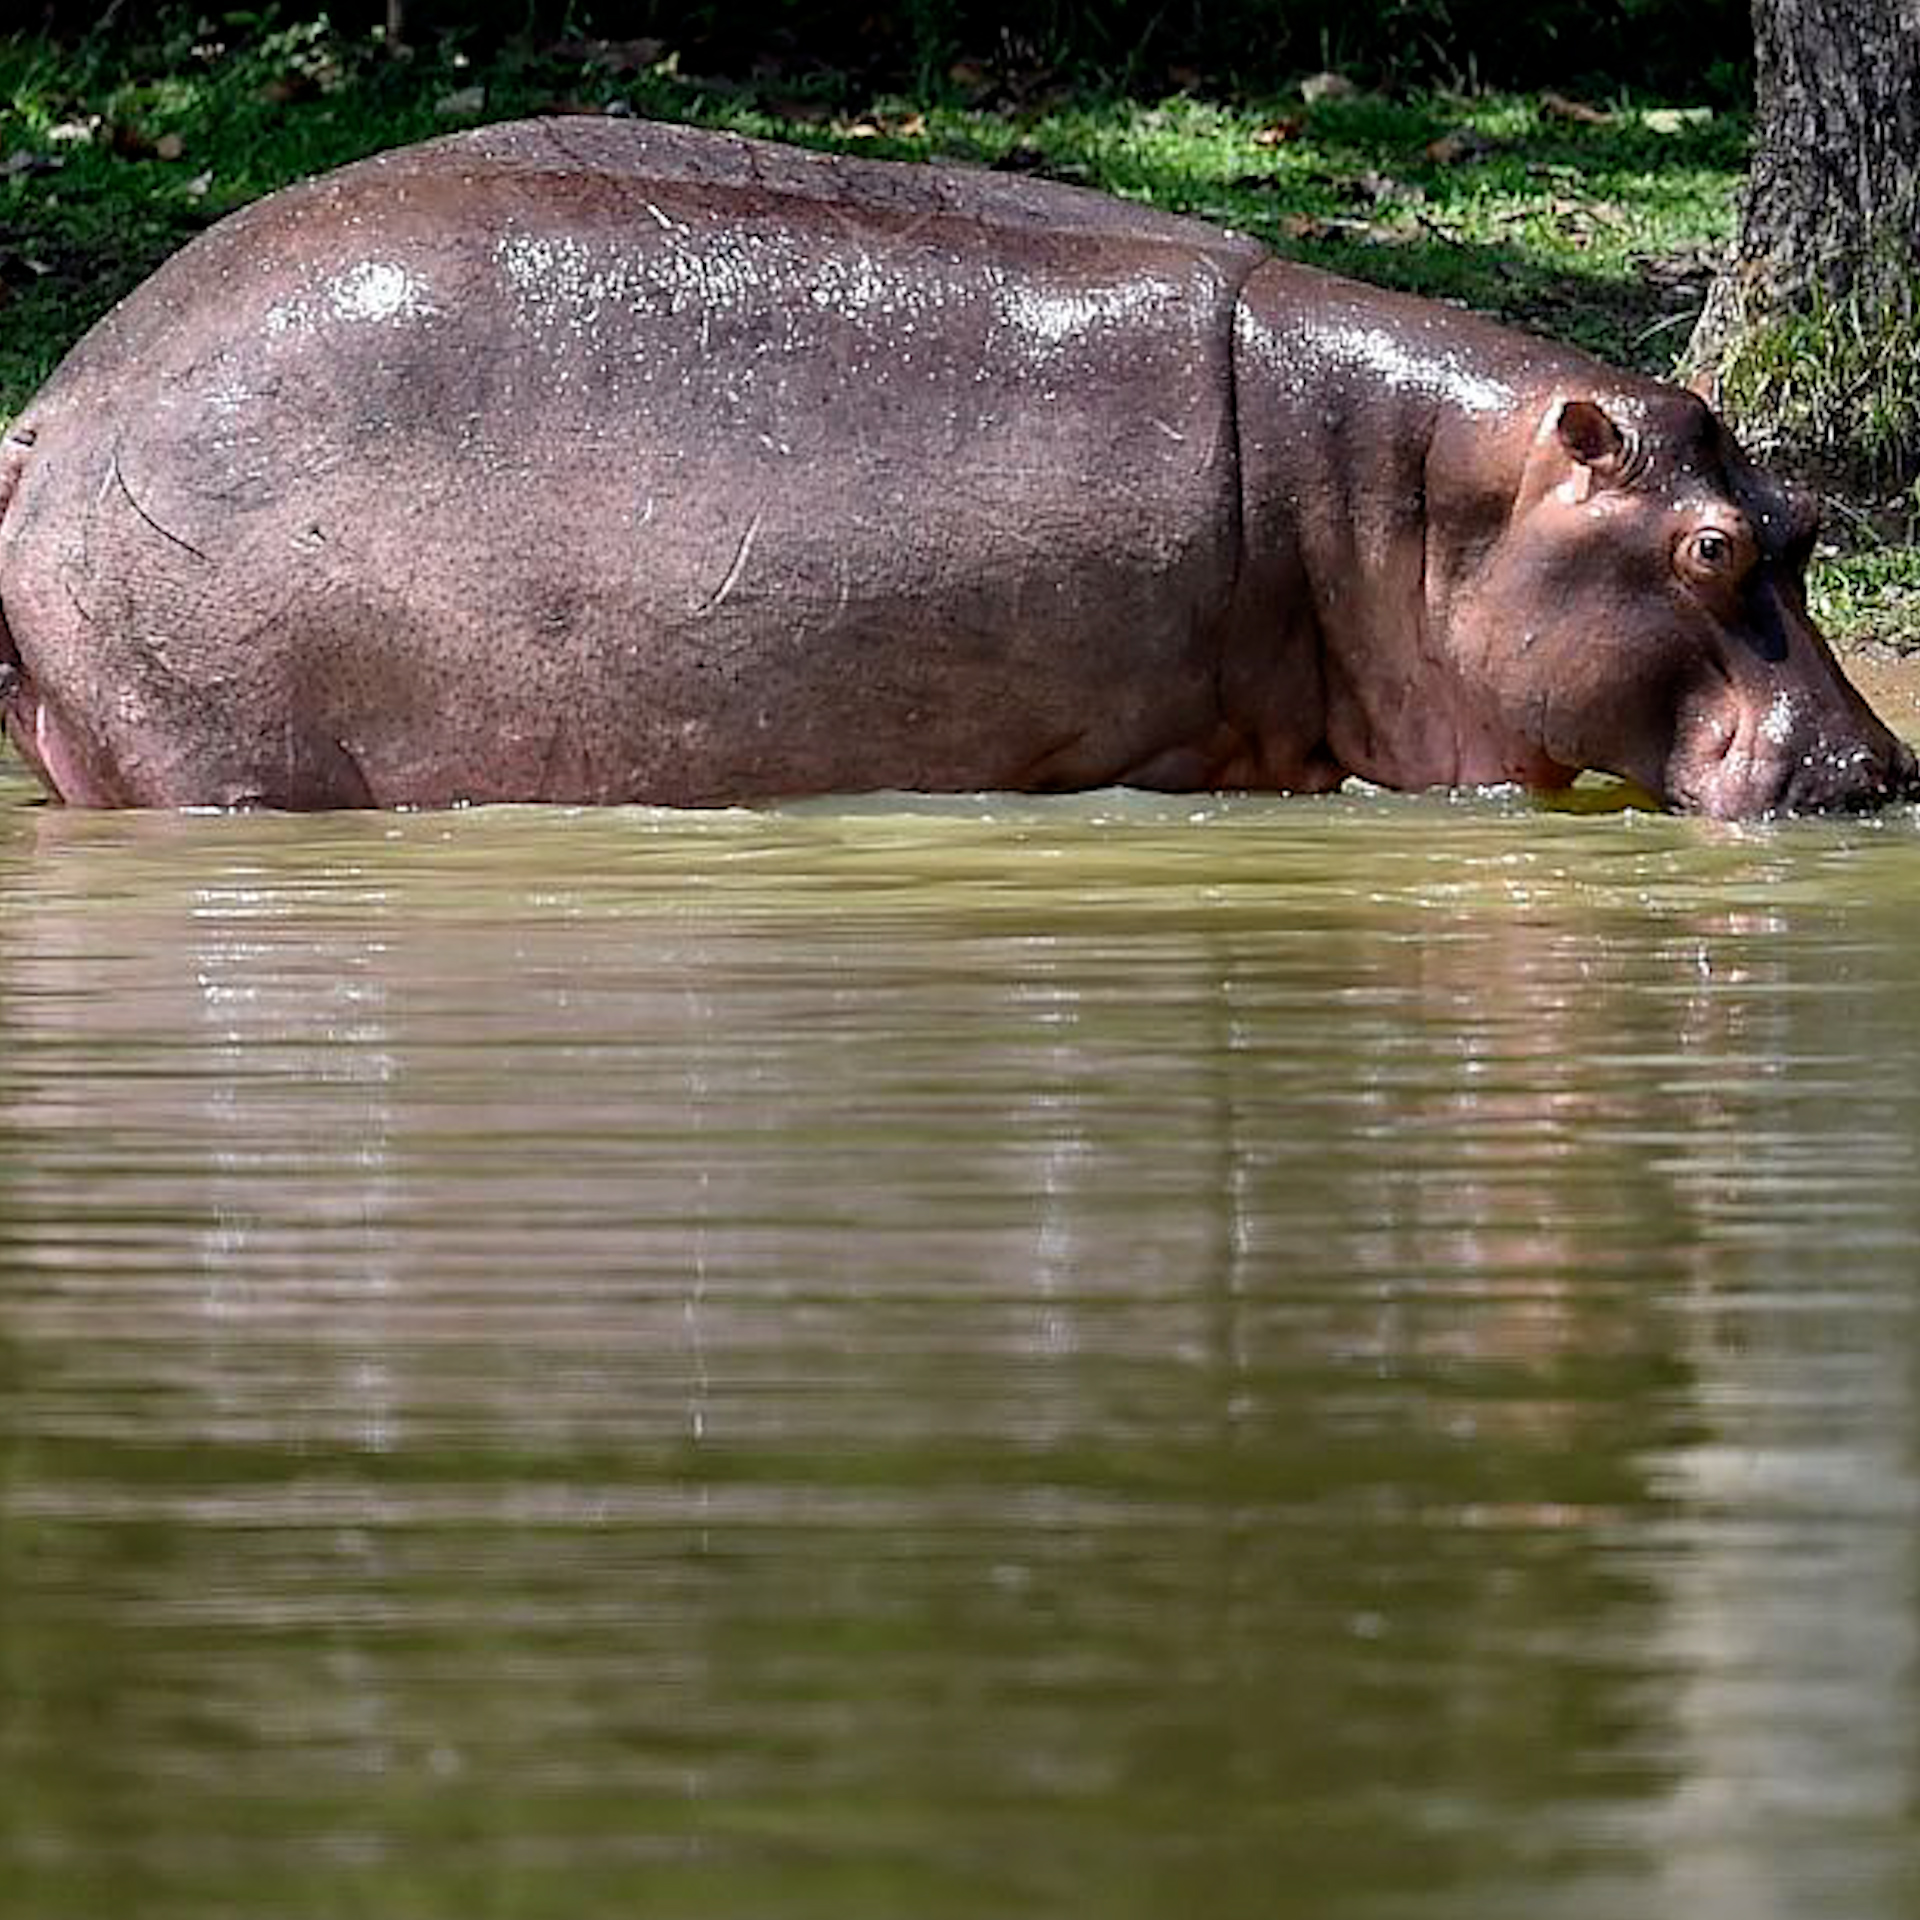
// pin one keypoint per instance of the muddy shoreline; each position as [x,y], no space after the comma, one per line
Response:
[1891,683]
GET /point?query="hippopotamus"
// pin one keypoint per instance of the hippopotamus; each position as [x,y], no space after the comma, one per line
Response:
[587,460]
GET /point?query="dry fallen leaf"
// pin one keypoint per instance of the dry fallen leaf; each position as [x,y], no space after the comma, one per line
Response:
[129,141]
[1326,86]
[1381,189]
[1463,143]
[1675,119]
[1276,133]
[880,126]
[169,147]
[1556,106]
[1313,226]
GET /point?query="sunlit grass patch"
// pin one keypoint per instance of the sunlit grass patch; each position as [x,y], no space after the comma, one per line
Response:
[1839,380]
[1868,594]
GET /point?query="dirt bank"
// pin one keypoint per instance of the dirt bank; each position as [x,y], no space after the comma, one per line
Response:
[1892,683]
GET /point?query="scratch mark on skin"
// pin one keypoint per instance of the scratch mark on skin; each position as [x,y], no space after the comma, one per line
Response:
[186,546]
[714,601]
[79,606]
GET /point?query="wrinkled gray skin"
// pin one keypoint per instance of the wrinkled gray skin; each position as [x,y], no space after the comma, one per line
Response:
[587,460]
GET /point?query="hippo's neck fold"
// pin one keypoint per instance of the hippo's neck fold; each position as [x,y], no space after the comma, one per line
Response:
[1382,441]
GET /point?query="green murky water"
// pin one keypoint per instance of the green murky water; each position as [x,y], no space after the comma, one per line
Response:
[1104,1358]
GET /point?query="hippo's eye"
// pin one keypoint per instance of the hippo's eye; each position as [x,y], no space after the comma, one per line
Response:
[1710,554]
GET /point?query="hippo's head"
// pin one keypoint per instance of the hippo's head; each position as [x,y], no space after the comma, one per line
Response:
[1642,610]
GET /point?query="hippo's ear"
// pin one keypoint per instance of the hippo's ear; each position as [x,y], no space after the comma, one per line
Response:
[1592,439]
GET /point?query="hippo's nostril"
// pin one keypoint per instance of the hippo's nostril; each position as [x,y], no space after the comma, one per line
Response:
[1898,779]
[1851,779]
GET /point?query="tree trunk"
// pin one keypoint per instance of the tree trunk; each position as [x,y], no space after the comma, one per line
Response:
[1811,336]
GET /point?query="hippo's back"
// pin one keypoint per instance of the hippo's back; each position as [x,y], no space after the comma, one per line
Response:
[598,459]
[653,155]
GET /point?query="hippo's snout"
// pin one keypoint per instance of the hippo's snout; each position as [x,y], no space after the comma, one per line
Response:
[1851,779]
[1894,779]
[1856,776]
[1778,761]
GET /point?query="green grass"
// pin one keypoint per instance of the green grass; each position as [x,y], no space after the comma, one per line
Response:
[1839,380]
[1600,233]
[1866,591]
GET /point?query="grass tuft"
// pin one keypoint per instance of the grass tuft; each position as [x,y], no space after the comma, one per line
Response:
[1837,383]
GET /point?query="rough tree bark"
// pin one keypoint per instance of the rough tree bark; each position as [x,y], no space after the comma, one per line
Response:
[1811,335]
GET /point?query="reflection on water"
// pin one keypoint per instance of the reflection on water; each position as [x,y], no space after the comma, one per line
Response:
[1344,1358]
